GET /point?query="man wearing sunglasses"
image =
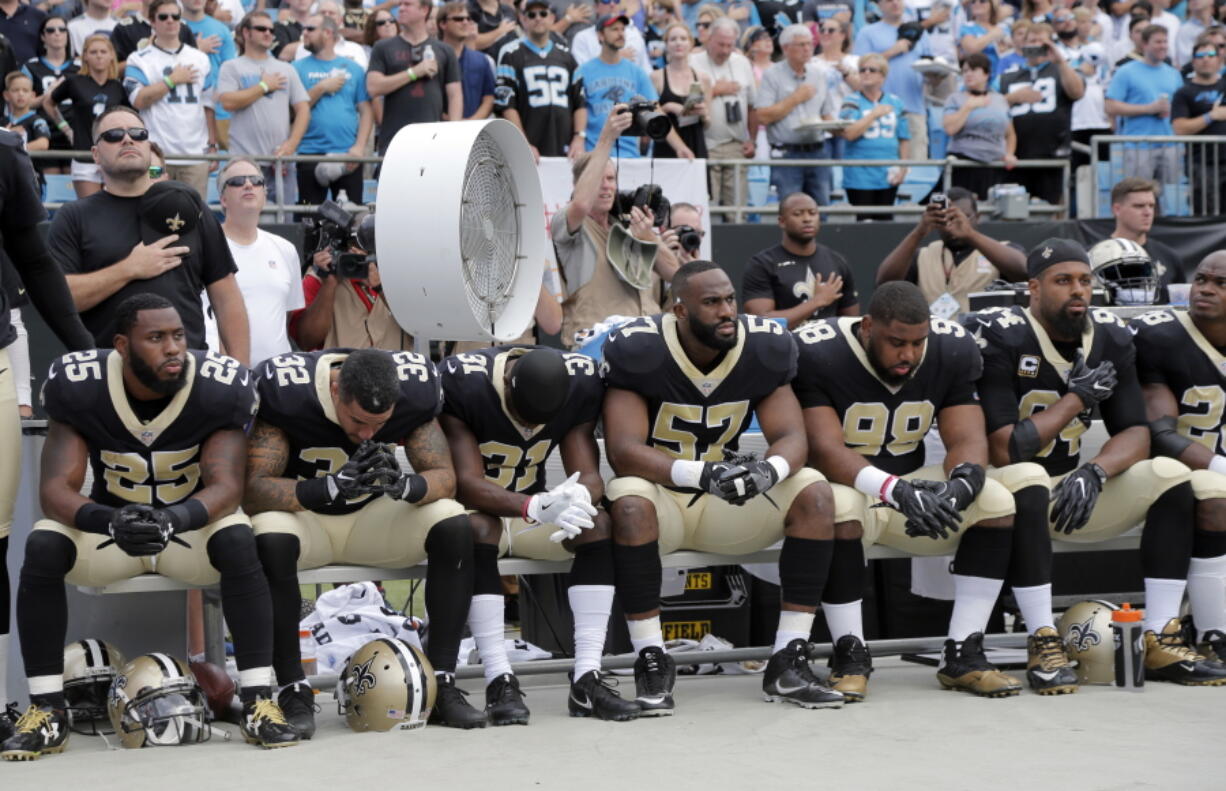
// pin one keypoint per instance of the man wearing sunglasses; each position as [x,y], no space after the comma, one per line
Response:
[455,25]
[133,32]
[1196,109]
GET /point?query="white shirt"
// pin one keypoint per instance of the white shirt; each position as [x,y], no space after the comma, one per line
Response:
[344,49]
[270,279]
[586,46]
[176,122]
[738,69]
[84,26]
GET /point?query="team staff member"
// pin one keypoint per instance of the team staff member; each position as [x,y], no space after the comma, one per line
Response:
[1134,202]
[799,279]
[97,240]
[21,211]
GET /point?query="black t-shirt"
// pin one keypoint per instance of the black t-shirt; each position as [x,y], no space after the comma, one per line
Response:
[1025,372]
[44,76]
[885,424]
[86,100]
[131,34]
[788,279]
[487,22]
[100,230]
[544,89]
[515,454]
[1193,100]
[1043,128]
[285,33]
[1167,264]
[420,101]
[20,208]
[778,14]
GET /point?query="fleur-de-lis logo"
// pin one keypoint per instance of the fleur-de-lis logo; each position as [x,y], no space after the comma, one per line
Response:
[1082,636]
[1047,251]
[175,223]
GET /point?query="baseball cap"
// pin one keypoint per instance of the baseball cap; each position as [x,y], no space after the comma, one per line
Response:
[1054,251]
[542,3]
[170,207]
[608,19]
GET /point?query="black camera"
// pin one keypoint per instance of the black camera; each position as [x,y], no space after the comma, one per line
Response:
[689,237]
[339,231]
[647,121]
[648,196]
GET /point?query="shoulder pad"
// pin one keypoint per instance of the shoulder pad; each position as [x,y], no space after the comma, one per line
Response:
[636,347]
[769,343]
[70,381]
[1000,326]
[1153,323]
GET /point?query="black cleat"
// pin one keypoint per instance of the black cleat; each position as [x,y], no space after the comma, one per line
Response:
[41,730]
[504,701]
[965,667]
[297,702]
[789,679]
[263,724]
[450,707]
[8,721]
[1169,657]
[1213,645]
[655,675]
[850,666]
[1048,669]
[594,696]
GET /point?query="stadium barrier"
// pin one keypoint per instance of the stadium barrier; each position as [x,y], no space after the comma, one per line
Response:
[1189,168]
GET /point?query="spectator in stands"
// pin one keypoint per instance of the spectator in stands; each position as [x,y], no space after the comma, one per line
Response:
[171,84]
[353,21]
[960,262]
[495,24]
[1197,110]
[329,9]
[660,14]
[341,119]
[1140,96]
[287,33]
[379,25]
[262,94]
[213,38]
[1134,204]
[20,23]
[418,75]
[1037,11]
[554,122]
[588,44]
[818,11]
[268,276]
[794,91]
[776,15]
[842,68]
[732,114]
[683,94]
[96,19]
[476,71]
[135,32]
[979,128]
[684,228]
[707,14]
[759,48]
[799,279]
[1013,59]
[1200,19]
[157,164]
[984,32]
[47,70]
[22,116]
[1135,26]
[878,131]
[1162,15]
[902,43]
[743,12]
[97,242]
[1089,117]
[98,76]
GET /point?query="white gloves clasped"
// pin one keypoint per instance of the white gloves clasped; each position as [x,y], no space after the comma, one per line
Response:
[567,505]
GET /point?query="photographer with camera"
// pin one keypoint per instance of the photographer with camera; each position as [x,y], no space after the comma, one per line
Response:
[609,253]
[684,233]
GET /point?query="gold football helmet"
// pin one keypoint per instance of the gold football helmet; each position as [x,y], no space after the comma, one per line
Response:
[1086,630]
[89,668]
[386,683]
[156,701]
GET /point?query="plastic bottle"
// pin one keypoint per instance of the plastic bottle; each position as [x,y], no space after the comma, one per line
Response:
[1129,650]
[306,645]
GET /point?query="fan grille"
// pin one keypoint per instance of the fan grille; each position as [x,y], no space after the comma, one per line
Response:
[489,230]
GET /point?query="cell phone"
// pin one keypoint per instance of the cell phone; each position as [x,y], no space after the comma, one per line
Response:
[940,200]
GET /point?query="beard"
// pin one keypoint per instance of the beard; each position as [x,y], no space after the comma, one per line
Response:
[706,335]
[1067,35]
[146,375]
[1066,325]
[890,378]
[311,46]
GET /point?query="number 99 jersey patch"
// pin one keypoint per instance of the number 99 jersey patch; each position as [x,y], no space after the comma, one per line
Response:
[155,461]
[692,414]
[885,423]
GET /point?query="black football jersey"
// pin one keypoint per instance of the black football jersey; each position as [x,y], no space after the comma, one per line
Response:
[295,397]
[1173,352]
[155,461]
[885,423]
[543,88]
[1025,371]
[1042,127]
[514,453]
[692,414]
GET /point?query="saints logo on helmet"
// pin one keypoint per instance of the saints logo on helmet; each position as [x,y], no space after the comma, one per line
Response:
[385,684]
[155,701]
[1086,630]
[1126,271]
[90,666]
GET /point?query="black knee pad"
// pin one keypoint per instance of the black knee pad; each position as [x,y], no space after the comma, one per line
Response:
[42,601]
[451,540]
[1031,558]
[232,550]
[1166,542]
[1208,543]
[593,564]
[486,580]
[804,564]
[984,552]
[279,555]
[638,574]
[845,582]
[49,557]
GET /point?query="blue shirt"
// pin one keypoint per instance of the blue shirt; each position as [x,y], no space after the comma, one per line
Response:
[212,27]
[333,128]
[606,86]
[476,78]
[879,141]
[1140,83]
[903,81]
[975,29]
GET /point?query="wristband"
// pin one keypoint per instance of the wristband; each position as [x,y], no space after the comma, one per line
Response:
[191,514]
[264,87]
[1218,464]
[313,493]
[686,474]
[412,74]
[415,488]
[93,518]
[782,468]
[523,512]
[1208,119]
[62,124]
[169,82]
[876,483]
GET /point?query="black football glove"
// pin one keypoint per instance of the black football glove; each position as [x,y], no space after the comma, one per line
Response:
[709,481]
[407,486]
[1075,496]
[928,513]
[1092,385]
[910,32]
[365,471]
[964,484]
[138,531]
[742,482]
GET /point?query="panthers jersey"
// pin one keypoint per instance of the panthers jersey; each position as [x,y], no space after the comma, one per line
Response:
[295,396]
[542,86]
[1025,371]
[692,414]
[885,423]
[138,456]
[1173,352]
[514,453]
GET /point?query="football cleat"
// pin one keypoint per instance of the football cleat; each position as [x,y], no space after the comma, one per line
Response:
[850,666]
[504,701]
[39,731]
[655,675]
[1048,669]
[965,667]
[789,679]
[263,724]
[450,707]
[1213,645]
[594,696]
[8,721]
[297,702]
[1169,657]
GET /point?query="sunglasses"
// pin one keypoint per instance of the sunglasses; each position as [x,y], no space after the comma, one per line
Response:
[383,22]
[832,30]
[870,70]
[238,181]
[1206,53]
[460,19]
[168,17]
[703,25]
[138,134]
[156,171]
[55,30]
[261,28]
[536,14]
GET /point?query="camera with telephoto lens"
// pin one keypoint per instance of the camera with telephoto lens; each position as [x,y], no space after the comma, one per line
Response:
[647,197]
[648,120]
[340,231]
[689,237]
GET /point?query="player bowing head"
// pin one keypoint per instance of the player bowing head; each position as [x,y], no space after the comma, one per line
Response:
[895,332]
[364,393]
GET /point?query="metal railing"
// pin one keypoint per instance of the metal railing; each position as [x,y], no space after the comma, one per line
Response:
[1138,155]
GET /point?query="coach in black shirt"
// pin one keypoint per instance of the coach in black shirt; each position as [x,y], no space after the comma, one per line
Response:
[799,279]
[97,240]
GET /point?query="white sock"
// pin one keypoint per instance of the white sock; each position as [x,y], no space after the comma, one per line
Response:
[974,598]
[1207,593]
[792,626]
[1162,600]
[486,620]
[46,685]
[645,632]
[1035,604]
[254,677]
[844,619]
[590,605]
[4,666]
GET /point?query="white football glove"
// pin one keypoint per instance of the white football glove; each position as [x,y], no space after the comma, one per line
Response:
[567,505]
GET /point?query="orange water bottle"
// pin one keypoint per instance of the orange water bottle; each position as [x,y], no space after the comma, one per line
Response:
[1129,649]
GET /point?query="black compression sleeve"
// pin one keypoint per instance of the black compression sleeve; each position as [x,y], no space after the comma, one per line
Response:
[47,287]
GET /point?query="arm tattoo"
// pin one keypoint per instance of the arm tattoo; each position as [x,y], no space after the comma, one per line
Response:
[221,463]
[267,456]
[427,449]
